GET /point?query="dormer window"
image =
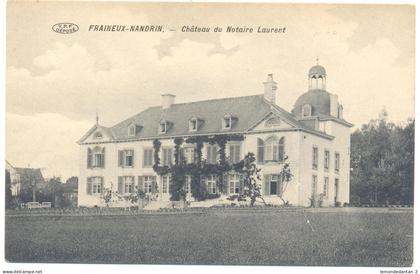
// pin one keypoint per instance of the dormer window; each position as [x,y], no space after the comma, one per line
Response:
[306,110]
[227,121]
[163,126]
[98,135]
[193,125]
[132,130]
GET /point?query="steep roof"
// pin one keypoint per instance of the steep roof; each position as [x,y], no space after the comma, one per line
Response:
[247,109]
[28,175]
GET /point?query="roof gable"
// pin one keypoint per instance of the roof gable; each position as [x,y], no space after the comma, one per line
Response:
[97,133]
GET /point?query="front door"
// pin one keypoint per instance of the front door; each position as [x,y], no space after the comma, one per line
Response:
[273,187]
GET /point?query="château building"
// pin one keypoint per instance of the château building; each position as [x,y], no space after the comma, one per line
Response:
[314,136]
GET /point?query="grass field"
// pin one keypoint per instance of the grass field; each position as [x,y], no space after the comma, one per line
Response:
[343,237]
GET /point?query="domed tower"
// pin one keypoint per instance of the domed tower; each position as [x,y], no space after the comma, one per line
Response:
[317,101]
[317,77]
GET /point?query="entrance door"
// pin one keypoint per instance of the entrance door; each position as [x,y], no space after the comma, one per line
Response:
[273,187]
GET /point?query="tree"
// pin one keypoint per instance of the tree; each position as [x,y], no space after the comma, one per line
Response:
[8,191]
[252,188]
[382,162]
[285,176]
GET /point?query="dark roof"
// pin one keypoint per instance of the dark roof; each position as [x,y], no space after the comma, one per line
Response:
[318,99]
[248,110]
[28,175]
[317,69]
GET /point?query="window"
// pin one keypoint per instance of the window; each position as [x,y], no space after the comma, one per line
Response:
[260,151]
[126,158]
[315,158]
[163,127]
[326,183]
[193,124]
[337,162]
[96,157]
[132,130]
[336,185]
[211,184]
[165,179]
[271,149]
[98,135]
[189,154]
[147,157]
[227,122]
[314,186]
[148,184]
[234,184]
[306,110]
[212,154]
[187,184]
[234,153]
[126,184]
[326,160]
[94,185]
[167,156]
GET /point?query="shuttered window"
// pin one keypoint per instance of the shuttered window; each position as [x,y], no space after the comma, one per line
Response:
[314,157]
[94,185]
[96,157]
[212,154]
[326,160]
[149,184]
[167,156]
[126,158]
[337,162]
[147,157]
[126,184]
[234,153]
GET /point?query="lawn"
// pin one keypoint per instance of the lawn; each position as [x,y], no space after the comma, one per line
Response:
[340,237]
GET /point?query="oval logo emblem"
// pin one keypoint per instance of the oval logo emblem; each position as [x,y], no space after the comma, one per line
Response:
[65,28]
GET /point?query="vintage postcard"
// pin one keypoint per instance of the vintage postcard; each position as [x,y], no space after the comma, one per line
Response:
[209,134]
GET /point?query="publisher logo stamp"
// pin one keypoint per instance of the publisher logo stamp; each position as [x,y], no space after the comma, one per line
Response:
[65,28]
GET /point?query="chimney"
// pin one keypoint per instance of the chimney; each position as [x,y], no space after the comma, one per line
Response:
[270,88]
[167,100]
[334,105]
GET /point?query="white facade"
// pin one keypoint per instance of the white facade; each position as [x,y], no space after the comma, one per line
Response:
[329,136]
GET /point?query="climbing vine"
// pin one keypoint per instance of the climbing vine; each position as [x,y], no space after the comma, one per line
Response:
[199,169]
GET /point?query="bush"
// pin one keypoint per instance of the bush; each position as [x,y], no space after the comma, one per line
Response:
[212,196]
[337,204]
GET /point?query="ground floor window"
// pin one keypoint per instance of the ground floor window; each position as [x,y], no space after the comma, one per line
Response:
[148,183]
[326,183]
[187,183]
[336,184]
[211,184]
[165,184]
[234,183]
[94,185]
[128,182]
[314,185]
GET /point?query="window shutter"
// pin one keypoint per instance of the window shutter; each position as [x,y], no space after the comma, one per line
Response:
[89,187]
[140,184]
[132,184]
[241,184]
[132,159]
[103,157]
[260,151]
[209,154]
[120,158]
[266,184]
[232,154]
[281,149]
[89,157]
[238,153]
[225,184]
[120,185]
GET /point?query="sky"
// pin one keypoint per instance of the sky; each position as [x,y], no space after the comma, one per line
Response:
[55,83]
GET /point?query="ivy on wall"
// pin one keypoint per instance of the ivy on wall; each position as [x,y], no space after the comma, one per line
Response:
[198,170]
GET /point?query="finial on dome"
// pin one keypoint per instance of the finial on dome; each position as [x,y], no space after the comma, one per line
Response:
[317,60]
[97,118]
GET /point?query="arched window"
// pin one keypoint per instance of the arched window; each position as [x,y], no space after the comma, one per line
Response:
[306,110]
[271,149]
